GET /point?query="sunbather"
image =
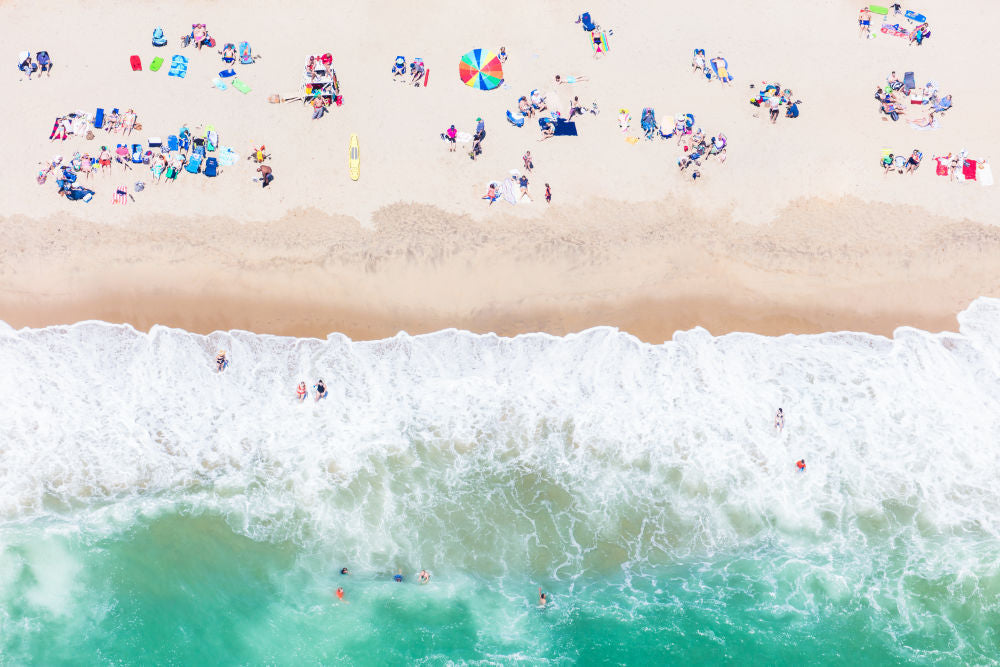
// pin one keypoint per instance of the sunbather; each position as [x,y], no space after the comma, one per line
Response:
[548,130]
[398,67]
[528,162]
[864,22]
[698,61]
[774,103]
[928,121]
[128,121]
[537,101]
[77,193]
[524,107]
[491,194]
[25,64]
[887,161]
[417,70]
[943,104]
[158,165]
[44,63]
[228,54]
[570,79]
[913,162]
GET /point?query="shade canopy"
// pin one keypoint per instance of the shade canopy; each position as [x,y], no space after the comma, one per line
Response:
[481,69]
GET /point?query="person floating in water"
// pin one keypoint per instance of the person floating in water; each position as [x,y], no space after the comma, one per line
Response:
[301,391]
[343,570]
[541,597]
[779,420]
[340,594]
[320,388]
[221,361]
[801,465]
[398,577]
[423,577]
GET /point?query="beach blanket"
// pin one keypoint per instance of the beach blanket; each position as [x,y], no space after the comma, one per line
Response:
[942,165]
[985,174]
[120,196]
[969,170]
[508,191]
[721,70]
[227,156]
[894,30]
[565,128]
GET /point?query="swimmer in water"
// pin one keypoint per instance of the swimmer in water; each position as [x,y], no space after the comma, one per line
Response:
[220,361]
[779,420]
[541,597]
[801,465]
[398,577]
[340,594]
[301,391]
[423,577]
[320,388]
[343,570]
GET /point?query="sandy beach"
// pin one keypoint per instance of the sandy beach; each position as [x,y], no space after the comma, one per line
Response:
[799,230]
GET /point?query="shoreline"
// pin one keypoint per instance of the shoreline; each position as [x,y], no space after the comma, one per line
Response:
[663,268]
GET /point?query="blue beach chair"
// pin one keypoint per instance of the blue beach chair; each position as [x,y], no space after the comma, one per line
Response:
[516,121]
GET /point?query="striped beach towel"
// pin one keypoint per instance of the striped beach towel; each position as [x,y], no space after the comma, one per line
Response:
[121,195]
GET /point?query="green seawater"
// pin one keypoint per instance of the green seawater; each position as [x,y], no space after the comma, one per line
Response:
[189,589]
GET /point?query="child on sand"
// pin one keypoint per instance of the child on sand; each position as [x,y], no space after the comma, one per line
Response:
[548,194]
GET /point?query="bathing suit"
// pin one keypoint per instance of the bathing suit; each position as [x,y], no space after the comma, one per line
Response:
[340,593]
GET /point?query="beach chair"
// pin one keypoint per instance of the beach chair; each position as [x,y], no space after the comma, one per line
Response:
[211,138]
[184,138]
[172,144]
[721,70]
[136,63]
[193,165]
[516,121]
[226,47]
[136,154]
[156,64]
[588,23]
[211,167]
[98,118]
[246,58]
[158,38]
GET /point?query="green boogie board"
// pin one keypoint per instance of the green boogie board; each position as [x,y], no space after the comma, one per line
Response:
[155,65]
[876,9]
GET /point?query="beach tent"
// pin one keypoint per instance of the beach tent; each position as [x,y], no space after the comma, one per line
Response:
[480,69]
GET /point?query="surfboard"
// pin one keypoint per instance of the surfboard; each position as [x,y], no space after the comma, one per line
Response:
[354,158]
[427,77]
[604,40]
[914,16]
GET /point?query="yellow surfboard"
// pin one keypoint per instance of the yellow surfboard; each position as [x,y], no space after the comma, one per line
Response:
[354,158]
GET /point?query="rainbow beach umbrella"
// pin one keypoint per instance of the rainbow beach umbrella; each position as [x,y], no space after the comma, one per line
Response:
[481,69]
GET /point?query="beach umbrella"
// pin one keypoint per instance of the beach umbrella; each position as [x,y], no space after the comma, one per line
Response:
[481,69]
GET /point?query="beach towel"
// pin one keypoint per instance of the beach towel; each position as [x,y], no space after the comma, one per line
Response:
[155,65]
[241,86]
[136,63]
[721,69]
[985,175]
[565,128]
[227,156]
[158,38]
[211,167]
[516,121]
[942,165]
[909,81]
[120,196]
[172,144]
[624,120]
[969,170]
[219,83]
[245,56]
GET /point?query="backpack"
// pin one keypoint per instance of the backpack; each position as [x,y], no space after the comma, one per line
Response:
[158,38]
[245,57]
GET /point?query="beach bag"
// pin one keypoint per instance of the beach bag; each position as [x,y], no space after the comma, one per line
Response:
[158,38]
[246,58]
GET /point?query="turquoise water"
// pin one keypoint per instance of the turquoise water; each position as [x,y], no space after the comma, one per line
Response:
[154,511]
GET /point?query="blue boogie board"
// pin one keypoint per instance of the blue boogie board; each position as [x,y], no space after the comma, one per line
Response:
[913,16]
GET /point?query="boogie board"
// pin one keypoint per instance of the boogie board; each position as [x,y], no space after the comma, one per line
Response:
[913,16]
[427,76]
[878,9]
[354,158]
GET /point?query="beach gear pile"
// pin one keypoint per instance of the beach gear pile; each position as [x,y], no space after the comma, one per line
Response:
[960,168]
[321,87]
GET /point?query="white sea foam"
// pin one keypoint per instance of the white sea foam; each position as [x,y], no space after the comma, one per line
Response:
[593,451]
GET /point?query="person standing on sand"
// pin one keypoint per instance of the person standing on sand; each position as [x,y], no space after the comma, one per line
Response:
[548,194]
[528,163]
[774,103]
[451,134]
[864,22]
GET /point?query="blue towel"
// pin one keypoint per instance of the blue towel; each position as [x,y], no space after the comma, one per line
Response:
[565,128]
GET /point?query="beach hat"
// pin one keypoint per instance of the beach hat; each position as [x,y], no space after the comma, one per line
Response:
[478,119]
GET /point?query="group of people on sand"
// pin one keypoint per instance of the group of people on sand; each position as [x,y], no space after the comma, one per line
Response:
[901,163]
[915,35]
[771,96]
[42,63]
[416,74]
[711,68]
[891,100]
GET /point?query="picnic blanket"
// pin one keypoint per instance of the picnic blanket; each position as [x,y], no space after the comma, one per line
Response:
[565,128]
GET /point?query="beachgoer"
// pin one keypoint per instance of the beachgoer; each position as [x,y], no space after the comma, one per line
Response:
[524,107]
[77,193]
[502,56]
[549,130]
[480,129]
[774,103]
[595,37]
[924,122]
[792,111]
[570,79]
[943,104]
[722,156]
[918,34]
[548,194]
[491,194]
[893,81]
[265,175]
[301,391]
[340,593]
[229,54]
[450,134]
[779,420]
[523,182]
[913,162]
[864,21]
[320,388]
[698,61]
[398,577]
[528,164]
[221,361]
[537,101]
[424,576]
[86,166]
[574,108]
[477,147]
[541,598]
[896,8]
[887,161]
[343,570]
[801,465]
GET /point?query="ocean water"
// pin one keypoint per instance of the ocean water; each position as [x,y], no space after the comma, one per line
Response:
[153,511]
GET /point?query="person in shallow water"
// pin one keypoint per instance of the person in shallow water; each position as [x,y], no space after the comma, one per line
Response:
[424,576]
[541,597]
[343,570]
[320,388]
[801,465]
[398,577]
[221,361]
[301,391]
[340,593]
[779,420]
